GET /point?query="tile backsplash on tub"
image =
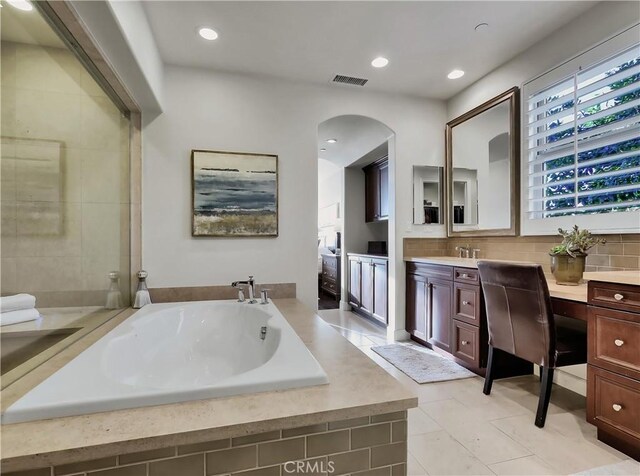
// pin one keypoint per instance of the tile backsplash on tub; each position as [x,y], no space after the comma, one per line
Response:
[376,444]
[621,252]
[206,293]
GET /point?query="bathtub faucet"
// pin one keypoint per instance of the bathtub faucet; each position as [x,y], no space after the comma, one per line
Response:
[250,287]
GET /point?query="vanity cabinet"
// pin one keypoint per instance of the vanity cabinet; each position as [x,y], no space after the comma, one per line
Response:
[445,311]
[613,364]
[376,191]
[368,286]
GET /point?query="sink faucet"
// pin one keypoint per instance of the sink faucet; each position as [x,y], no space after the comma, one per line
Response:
[463,251]
[249,283]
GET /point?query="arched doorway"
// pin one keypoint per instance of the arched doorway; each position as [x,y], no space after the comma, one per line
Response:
[348,144]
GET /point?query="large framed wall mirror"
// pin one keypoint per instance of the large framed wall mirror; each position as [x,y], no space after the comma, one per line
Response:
[481,173]
[428,195]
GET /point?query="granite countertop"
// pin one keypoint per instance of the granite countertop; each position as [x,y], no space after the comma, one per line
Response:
[620,277]
[572,293]
[358,387]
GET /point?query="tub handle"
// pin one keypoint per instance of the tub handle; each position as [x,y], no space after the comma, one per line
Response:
[264,296]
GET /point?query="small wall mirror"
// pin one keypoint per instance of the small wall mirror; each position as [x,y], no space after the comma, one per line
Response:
[428,195]
[481,169]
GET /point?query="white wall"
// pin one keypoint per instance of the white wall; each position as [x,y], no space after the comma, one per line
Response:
[595,25]
[135,28]
[218,111]
[124,38]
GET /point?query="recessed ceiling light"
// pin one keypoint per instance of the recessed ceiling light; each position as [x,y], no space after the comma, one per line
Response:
[455,74]
[208,33]
[380,62]
[332,141]
[481,26]
[323,149]
[23,5]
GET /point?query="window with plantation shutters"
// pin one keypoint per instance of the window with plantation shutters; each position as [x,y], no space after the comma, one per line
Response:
[581,142]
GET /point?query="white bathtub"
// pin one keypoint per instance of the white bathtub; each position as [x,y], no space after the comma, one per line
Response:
[168,353]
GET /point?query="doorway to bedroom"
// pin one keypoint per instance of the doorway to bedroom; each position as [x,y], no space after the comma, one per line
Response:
[353,215]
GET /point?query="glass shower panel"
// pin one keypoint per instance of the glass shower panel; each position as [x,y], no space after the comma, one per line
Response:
[64,191]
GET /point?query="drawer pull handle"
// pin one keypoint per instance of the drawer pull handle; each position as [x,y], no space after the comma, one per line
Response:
[465,303]
[618,342]
[464,275]
[618,297]
[617,407]
[465,342]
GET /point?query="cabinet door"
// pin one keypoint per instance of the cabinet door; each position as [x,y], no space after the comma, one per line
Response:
[417,297]
[354,282]
[371,194]
[440,295]
[383,184]
[366,296]
[380,290]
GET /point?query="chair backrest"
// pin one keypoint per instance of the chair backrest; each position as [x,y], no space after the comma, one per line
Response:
[519,313]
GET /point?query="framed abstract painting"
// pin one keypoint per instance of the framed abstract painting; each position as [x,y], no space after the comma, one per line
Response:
[234,194]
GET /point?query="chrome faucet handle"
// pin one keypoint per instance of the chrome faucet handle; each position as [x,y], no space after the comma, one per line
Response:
[475,253]
[252,299]
[264,296]
[241,296]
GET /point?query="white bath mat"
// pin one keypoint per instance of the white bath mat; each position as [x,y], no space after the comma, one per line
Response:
[627,467]
[422,365]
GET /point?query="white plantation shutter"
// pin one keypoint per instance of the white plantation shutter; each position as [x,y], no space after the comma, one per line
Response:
[581,138]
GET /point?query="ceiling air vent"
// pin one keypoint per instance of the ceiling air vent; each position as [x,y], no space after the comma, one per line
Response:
[349,80]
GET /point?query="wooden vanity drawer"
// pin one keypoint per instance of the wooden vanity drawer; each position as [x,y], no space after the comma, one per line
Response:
[613,402]
[467,303]
[466,342]
[430,270]
[329,284]
[330,273]
[466,275]
[613,341]
[616,296]
[567,308]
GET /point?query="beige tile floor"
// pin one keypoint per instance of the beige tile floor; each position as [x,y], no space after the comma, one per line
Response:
[457,430]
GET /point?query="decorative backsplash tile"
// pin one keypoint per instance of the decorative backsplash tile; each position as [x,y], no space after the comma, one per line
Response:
[621,252]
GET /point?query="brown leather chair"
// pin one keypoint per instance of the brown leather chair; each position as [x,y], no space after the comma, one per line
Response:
[521,322]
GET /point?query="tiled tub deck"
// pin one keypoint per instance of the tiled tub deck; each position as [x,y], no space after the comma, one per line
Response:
[355,424]
[375,445]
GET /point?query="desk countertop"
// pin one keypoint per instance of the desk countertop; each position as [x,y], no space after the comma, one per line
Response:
[621,277]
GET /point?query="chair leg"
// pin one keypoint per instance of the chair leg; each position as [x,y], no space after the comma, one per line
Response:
[488,379]
[545,395]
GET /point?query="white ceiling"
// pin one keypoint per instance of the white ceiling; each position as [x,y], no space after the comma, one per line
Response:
[315,40]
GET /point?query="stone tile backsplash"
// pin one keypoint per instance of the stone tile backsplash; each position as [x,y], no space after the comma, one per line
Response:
[621,252]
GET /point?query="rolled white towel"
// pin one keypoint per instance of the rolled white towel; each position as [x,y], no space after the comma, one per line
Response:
[17,302]
[16,317]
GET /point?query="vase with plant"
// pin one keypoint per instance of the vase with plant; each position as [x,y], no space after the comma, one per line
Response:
[568,258]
